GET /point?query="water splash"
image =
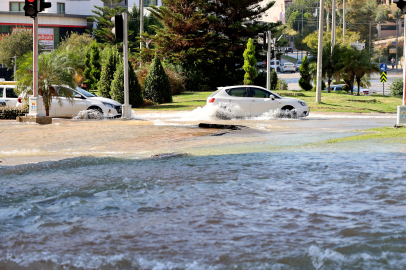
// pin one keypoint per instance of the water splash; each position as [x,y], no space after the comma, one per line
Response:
[90,114]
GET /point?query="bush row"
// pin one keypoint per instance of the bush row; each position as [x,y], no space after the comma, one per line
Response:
[11,112]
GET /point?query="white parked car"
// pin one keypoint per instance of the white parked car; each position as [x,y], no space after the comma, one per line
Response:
[82,100]
[251,100]
[7,93]
[288,67]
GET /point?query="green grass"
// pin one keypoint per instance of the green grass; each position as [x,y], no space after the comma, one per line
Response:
[331,102]
[383,133]
[186,101]
[291,59]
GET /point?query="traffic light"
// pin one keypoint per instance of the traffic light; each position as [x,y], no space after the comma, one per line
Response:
[263,36]
[43,5]
[401,4]
[118,29]
[31,8]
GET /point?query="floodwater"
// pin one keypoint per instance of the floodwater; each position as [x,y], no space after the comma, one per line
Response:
[157,192]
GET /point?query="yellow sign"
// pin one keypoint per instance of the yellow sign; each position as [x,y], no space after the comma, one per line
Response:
[392,50]
[383,77]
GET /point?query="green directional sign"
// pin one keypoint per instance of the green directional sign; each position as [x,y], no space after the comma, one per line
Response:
[383,77]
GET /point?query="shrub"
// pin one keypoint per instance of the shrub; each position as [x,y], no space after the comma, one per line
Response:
[260,80]
[107,73]
[273,79]
[282,85]
[305,76]
[396,88]
[249,63]
[157,86]
[323,84]
[117,86]
[11,112]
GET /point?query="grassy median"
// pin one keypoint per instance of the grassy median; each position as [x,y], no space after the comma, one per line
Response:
[331,102]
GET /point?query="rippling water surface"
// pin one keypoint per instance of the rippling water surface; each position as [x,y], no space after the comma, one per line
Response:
[278,210]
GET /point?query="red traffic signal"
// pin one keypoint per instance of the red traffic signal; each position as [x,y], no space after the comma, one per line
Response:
[31,8]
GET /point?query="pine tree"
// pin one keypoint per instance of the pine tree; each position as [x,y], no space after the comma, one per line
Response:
[157,87]
[95,63]
[249,63]
[305,76]
[88,68]
[273,79]
[107,73]
[117,85]
[103,17]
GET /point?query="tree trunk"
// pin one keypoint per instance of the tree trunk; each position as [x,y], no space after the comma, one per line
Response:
[329,83]
[358,82]
[47,111]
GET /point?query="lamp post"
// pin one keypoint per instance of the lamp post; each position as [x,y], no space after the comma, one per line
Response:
[320,53]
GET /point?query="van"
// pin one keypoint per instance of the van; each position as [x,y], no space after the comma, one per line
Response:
[7,93]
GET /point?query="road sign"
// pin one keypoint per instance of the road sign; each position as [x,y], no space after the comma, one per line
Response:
[383,77]
[394,42]
[392,50]
[383,67]
[359,46]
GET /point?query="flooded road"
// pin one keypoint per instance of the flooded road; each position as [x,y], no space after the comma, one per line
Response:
[157,192]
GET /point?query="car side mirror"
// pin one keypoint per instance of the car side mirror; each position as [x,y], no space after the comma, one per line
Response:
[272,97]
[77,96]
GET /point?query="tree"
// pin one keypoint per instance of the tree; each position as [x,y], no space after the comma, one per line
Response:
[330,61]
[207,38]
[355,64]
[249,63]
[76,41]
[54,69]
[92,62]
[16,44]
[305,76]
[117,85]
[312,39]
[108,71]
[362,13]
[103,17]
[157,87]
[273,79]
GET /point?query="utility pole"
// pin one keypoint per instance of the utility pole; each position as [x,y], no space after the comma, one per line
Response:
[343,20]
[126,108]
[333,24]
[397,23]
[301,52]
[35,102]
[141,21]
[267,38]
[274,51]
[320,53]
[370,37]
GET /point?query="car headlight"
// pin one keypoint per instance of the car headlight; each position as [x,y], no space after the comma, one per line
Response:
[108,105]
[302,103]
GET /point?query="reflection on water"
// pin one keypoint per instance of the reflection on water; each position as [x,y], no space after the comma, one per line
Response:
[280,210]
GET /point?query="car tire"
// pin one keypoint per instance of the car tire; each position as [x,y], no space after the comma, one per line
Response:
[94,112]
[289,112]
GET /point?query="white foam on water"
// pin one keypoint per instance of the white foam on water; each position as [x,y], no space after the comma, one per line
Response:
[90,114]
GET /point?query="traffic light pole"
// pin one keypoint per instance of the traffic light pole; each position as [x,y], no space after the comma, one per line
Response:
[35,101]
[268,60]
[126,108]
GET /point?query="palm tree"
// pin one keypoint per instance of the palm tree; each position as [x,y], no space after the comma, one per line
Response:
[355,64]
[54,68]
[331,60]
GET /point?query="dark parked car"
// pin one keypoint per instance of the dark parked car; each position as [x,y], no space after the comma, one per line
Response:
[288,50]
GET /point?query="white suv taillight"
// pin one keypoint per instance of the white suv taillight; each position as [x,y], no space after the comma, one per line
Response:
[211,100]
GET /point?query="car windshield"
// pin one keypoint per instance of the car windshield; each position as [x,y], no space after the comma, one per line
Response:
[84,92]
[299,62]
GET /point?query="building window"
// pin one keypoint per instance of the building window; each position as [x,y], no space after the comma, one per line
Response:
[150,3]
[17,6]
[60,8]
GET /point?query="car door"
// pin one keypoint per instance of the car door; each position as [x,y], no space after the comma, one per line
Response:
[239,100]
[11,96]
[69,107]
[261,101]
